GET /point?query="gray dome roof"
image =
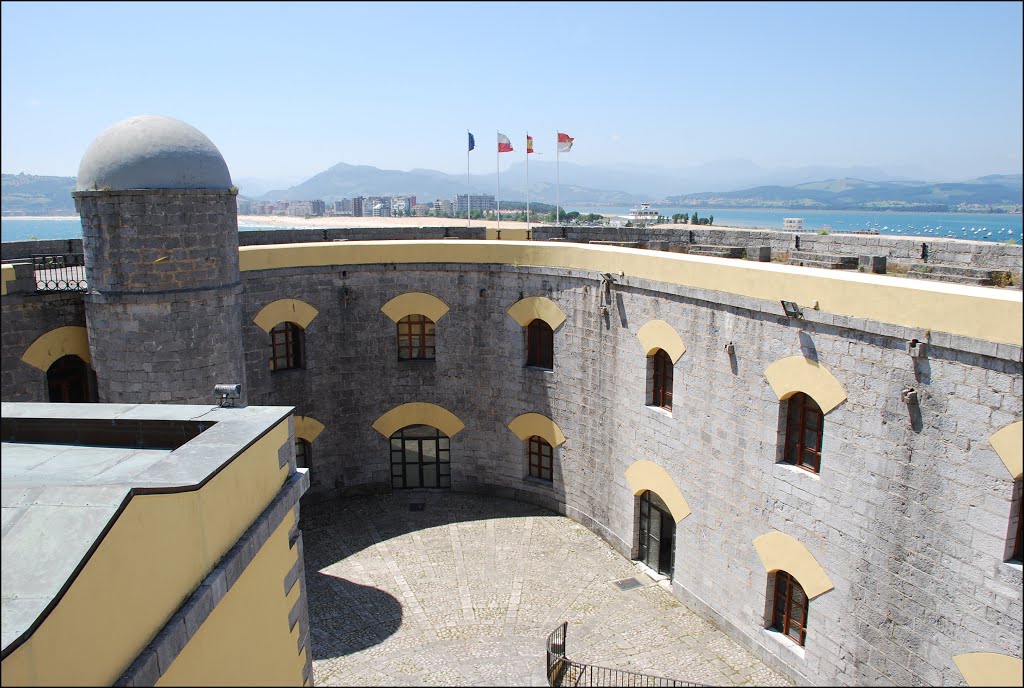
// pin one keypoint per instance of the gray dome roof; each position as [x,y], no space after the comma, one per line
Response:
[152,152]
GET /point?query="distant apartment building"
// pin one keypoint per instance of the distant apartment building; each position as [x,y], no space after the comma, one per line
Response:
[421,209]
[343,207]
[317,207]
[245,206]
[401,206]
[443,207]
[376,206]
[462,202]
[357,206]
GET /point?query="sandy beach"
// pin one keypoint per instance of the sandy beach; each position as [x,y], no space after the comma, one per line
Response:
[328,222]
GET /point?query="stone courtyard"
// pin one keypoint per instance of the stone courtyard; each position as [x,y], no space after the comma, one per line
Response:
[436,588]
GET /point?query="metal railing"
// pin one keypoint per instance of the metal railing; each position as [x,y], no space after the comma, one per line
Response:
[59,272]
[562,671]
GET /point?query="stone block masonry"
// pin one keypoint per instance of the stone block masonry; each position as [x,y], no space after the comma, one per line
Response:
[918,575]
[164,297]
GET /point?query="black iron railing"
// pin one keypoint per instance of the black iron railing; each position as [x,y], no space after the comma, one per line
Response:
[59,272]
[562,671]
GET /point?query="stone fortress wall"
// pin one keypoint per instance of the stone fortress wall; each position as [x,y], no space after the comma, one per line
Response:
[908,518]
[901,540]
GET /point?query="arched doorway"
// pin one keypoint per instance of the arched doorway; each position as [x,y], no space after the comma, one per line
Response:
[657,534]
[420,458]
[70,379]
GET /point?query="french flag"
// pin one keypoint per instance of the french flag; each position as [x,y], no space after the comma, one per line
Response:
[504,145]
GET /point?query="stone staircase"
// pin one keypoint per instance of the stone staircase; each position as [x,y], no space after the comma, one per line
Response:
[828,261]
[961,275]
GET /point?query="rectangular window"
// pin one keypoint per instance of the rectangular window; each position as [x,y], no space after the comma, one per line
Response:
[540,458]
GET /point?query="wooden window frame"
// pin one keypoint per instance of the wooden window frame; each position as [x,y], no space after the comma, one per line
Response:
[785,601]
[662,376]
[540,345]
[286,344]
[416,338]
[802,412]
[540,458]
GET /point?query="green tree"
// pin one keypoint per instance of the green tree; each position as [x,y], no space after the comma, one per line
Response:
[694,220]
[711,219]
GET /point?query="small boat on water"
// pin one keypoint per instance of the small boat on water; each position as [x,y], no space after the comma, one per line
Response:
[643,214]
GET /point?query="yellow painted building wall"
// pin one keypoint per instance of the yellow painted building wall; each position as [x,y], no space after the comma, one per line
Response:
[246,640]
[154,556]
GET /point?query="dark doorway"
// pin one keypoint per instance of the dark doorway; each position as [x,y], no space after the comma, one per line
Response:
[657,534]
[420,458]
[70,379]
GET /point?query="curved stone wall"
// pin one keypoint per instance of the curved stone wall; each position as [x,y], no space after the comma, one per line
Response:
[907,518]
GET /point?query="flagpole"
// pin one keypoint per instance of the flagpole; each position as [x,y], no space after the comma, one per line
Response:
[497,194]
[527,185]
[557,182]
[469,197]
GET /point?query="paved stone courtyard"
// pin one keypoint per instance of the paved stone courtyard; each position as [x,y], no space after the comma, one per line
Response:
[464,590]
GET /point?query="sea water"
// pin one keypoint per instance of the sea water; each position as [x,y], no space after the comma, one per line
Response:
[997,227]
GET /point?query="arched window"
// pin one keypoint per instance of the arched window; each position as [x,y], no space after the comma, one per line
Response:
[420,458]
[804,426]
[286,346]
[660,369]
[789,608]
[540,344]
[540,458]
[303,453]
[657,534]
[69,379]
[415,338]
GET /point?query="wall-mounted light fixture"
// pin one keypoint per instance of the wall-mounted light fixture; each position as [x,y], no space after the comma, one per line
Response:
[916,348]
[730,349]
[792,310]
[909,396]
[228,393]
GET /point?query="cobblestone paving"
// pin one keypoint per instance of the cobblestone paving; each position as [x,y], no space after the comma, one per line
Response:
[465,591]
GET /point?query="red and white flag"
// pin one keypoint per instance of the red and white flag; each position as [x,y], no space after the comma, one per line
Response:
[564,143]
[529,144]
[504,145]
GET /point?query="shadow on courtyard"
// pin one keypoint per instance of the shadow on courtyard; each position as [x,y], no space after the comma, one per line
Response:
[339,621]
[346,617]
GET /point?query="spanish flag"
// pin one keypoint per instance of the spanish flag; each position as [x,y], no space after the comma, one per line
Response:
[529,144]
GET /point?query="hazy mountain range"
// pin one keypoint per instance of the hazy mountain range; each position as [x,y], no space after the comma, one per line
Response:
[731,183]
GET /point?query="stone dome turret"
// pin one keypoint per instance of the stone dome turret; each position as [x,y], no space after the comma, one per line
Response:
[152,152]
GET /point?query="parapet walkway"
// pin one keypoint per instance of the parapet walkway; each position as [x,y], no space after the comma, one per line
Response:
[436,588]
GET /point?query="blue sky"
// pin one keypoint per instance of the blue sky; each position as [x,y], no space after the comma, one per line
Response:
[286,90]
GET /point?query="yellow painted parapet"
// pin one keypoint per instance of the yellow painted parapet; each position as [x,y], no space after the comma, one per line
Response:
[415,303]
[529,424]
[245,641]
[647,475]
[780,552]
[990,669]
[532,308]
[418,413]
[988,314]
[62,341]
[1007,443]
[787,376]
[658,334]
[6,275]
[285,310]
[307,427]
[154,555]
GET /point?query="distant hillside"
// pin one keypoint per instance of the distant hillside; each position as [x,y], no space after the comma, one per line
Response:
[347,181]
[994,193]
[28,194]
